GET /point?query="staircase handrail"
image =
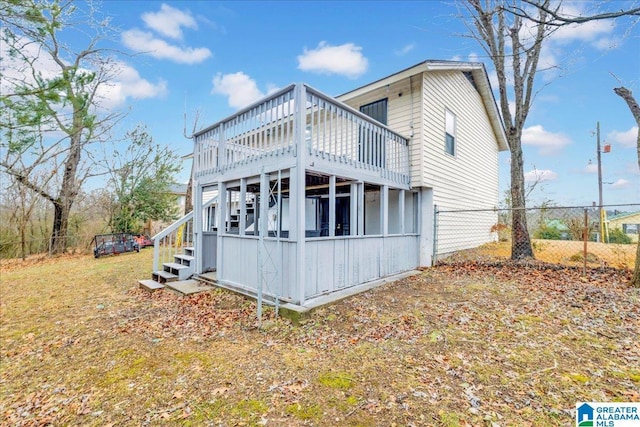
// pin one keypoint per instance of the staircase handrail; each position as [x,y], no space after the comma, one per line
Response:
[171,228]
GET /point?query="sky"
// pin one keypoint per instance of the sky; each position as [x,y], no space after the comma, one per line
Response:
[213,57]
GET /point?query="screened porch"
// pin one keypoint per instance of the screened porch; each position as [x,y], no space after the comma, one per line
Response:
[311,196]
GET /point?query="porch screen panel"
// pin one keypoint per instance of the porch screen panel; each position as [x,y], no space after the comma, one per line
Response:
[371,141]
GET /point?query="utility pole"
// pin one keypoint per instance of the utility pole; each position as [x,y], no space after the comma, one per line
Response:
[604,231]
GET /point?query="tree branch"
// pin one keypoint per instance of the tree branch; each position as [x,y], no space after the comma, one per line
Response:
[559,20]
[627,95]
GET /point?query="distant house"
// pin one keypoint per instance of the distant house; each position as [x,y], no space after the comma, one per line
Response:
[302,195]
[629,223]
[180,191]
[560,226]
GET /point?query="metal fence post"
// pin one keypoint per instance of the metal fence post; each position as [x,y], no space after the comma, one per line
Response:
[585,234]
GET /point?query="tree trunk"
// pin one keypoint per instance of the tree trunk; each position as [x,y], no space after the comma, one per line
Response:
[188,198]
[626,94]
[520,240]
[68,189]
[23,241]
[635,279]
[59,231]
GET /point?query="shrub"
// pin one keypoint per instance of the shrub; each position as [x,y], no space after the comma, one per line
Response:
[548,233]
[617,236]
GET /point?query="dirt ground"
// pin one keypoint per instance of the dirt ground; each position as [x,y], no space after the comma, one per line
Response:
[465,344]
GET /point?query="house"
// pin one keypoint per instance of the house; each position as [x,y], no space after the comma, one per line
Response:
[629,223]
[180,193]
[303,195]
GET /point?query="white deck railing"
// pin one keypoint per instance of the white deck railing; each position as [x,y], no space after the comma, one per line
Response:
[333,131]
[342,134]
[255,132]
[174,238]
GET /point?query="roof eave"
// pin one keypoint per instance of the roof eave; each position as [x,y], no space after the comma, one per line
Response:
[480,76]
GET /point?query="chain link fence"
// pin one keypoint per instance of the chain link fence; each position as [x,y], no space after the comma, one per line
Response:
[576,236]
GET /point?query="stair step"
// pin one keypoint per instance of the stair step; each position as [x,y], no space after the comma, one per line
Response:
[189,250]
[182,271]
[183,258]
[150,285]
[163,276]
[174,266]
[187,287]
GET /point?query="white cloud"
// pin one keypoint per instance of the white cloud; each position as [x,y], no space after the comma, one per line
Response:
[540,175]
[346,59]
[591,168]
[589,31]
[549,59]
[240,89]
[548,143]
[405,49]
[142,41]
[627,138]
[606,43]
[620,183]
[129,84]
[169,21]
[125,83]
[12,68]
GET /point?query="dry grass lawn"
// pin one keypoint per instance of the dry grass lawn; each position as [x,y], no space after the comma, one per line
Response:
[565,252]
[458,345]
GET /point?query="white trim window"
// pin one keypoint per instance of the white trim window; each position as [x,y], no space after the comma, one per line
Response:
[450,133]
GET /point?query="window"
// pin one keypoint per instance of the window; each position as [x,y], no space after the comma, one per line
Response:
[376,110]
[630,228]
[450,133]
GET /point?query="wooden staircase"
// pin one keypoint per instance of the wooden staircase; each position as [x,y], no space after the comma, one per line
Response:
[176,275]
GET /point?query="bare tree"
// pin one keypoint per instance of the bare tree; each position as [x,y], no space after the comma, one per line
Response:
[188,203]
[628,97]
[50,101]
[556,17]
[514,50]
[512,33]
[545,13]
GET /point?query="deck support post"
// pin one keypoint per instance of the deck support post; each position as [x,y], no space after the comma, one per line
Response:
[353,211]
[401,197]
[361,208]
[243,206]
[300,190]
[384,210]
[263,231]
[221,222]
[332,206]
[198,228]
